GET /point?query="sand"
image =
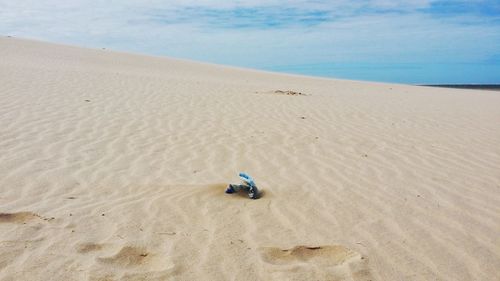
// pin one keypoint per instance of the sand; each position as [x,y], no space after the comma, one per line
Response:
[113,167]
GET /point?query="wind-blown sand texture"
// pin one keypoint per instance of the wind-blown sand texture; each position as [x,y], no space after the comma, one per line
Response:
[113,167]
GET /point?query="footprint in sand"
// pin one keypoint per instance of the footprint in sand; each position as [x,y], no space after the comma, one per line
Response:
[128,257]
[88,247]
[344,260]
[20,217]
[132,263]
[325,255]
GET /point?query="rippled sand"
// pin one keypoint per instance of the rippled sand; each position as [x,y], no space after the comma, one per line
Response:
[113,167]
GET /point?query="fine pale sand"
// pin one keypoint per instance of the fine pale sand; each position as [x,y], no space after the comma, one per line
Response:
[113,167]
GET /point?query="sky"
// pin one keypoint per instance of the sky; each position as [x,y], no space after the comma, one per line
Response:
[411,42]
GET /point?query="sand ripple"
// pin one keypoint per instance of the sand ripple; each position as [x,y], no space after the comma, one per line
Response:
[113,167]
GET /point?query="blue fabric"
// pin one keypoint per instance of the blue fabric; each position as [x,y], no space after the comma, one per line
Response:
[230,190]
[247,179]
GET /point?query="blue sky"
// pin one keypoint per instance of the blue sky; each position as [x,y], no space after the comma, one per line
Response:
[413,41]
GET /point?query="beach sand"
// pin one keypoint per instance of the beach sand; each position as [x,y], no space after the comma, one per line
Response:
[113,167]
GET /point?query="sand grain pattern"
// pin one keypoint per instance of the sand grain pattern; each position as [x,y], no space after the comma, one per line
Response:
[125,159]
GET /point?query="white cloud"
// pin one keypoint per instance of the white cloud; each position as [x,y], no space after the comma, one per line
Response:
[342,31]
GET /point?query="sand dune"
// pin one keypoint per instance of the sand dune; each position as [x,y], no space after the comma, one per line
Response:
[113,167]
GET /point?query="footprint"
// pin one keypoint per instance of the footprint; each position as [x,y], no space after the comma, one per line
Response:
[335,261]
[88,247]
[325,255]
[20,217]
[128,257]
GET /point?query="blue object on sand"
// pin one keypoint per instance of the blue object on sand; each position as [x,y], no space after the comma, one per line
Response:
[230,189]
[248,186]
[247,179]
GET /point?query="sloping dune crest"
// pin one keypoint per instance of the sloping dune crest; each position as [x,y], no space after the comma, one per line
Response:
[113,167]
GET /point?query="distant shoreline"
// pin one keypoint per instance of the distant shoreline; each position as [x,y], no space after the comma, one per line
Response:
[486,87]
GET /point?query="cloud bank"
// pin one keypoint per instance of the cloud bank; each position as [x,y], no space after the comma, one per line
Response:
[398,41]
